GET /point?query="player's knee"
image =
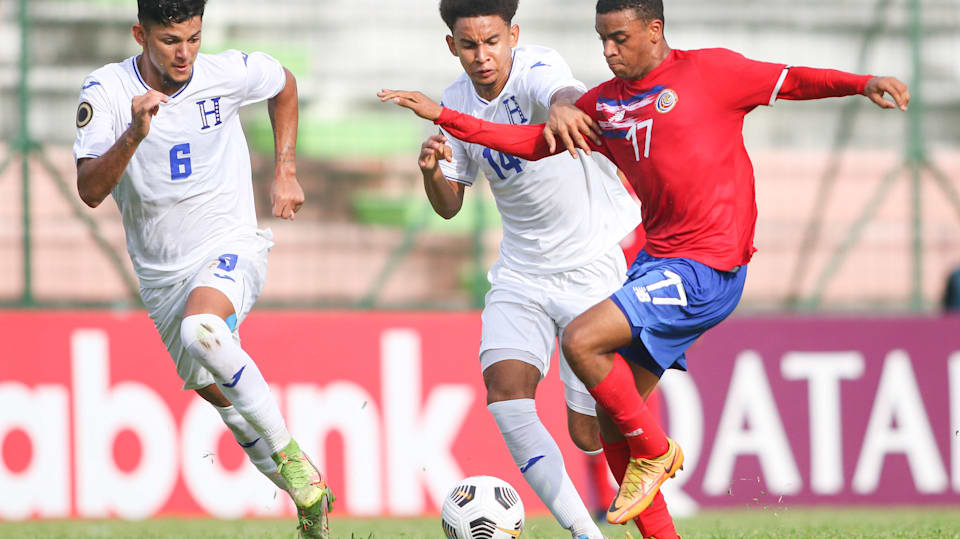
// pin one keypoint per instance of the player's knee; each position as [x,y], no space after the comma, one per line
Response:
[586,440]
[576,344]
[584,432]
[204,336]
[505,392]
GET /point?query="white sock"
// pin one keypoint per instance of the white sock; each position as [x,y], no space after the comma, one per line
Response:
[252,443]
[540,462]
[207,338]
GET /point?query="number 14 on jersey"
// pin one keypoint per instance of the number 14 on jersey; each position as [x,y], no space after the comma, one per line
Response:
[508,162]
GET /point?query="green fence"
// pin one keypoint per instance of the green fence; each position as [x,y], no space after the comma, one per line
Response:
[858,209]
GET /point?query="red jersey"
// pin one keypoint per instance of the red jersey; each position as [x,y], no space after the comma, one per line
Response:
[677,136]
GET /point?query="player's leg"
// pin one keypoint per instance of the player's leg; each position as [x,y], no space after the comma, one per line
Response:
[511,386]
[165,306]
[220,297]
[244,433]
[655,521]
[589,344]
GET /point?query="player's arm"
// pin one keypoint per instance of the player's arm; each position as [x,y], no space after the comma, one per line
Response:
[568,124]
[96,177]
[286,194]
[445,196]
[523,141]
[803,83]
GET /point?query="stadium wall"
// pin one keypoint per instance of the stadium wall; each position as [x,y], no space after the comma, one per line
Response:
[776,412]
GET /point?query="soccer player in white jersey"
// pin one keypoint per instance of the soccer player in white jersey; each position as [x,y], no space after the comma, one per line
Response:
[160,131]
[562,221]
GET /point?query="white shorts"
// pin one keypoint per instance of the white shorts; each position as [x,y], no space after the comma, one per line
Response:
[526,313]
[238,270]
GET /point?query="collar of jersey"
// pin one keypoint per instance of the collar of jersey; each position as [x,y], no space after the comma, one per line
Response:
[513,63]
[136,71]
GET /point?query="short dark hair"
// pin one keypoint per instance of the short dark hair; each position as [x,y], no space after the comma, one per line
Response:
[647,10]
[167,12]
[451,10]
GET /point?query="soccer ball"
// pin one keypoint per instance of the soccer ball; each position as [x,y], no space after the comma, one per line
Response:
[482,507]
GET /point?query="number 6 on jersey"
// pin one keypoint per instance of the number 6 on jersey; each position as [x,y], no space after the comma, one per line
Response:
[180,167]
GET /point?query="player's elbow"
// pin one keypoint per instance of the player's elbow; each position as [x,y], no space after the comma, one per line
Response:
[88,197]
[447,212]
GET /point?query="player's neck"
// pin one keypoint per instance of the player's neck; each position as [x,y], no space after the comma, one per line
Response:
[154,79]
[656,58]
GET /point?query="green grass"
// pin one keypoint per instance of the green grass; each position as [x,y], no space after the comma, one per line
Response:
[785,523]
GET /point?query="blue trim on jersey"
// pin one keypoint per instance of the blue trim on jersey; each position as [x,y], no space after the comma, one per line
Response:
[632,99]
[615,134]
[136,70]
[91,85]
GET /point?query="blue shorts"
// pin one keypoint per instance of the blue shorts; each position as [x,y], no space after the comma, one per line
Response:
[669,303]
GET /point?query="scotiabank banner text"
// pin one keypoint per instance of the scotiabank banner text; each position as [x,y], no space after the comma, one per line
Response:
[775,412]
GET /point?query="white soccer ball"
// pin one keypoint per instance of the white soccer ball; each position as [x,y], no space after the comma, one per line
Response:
[482,507]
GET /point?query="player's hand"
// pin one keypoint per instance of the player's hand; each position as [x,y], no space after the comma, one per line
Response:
[142,110]
[287,197]
[878,86]
[569,124]
[432,151]
[420,104]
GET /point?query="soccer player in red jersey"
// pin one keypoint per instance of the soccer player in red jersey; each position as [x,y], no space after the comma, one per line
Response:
[672,121]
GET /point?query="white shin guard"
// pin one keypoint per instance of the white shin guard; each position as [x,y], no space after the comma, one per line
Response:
[252,443]
[540,462]
[207,339]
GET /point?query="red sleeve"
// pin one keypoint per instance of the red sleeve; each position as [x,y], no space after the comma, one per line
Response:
[736,81]
[810,83]
[523,141]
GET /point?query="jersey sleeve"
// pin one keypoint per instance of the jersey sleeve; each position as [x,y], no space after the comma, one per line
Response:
[461,168]
[265,77]
[547,74]
[738,82]
[96,126]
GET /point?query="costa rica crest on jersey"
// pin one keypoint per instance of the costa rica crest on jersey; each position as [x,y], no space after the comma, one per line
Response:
[667,100]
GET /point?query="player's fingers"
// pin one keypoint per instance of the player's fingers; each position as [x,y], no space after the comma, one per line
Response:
[551,140]
[568,143]
[581,142]
[586,126]
[898,91]
[447,153]
[593,128]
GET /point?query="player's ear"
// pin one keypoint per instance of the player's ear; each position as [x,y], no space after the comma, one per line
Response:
[655,30]
[139,34]
[451,44]
[514,36]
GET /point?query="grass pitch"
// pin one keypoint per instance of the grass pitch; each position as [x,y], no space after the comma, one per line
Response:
[789,523]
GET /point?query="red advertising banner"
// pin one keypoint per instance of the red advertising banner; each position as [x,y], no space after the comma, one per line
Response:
[391,406]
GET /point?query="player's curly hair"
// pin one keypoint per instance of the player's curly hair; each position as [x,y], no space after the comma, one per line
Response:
[647,10]
[167,12]
[451,10]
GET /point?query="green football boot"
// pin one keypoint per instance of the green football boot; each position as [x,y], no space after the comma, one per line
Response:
[307,488]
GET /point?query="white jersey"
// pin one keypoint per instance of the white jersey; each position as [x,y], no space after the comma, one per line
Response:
[188,186]
[559,213]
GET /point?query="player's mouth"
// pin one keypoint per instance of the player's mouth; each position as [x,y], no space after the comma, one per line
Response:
[181,70]
[486,73]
